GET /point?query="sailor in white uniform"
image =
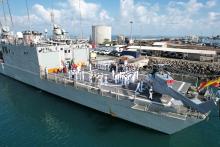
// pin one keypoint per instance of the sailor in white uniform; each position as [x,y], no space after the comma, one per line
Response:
[90,67]
[46,72]
[69,74]
[137,75]
[151,93]
[127,80]
[113,74]
[141,85]
[133,78]
[138,88]
[106,80]
[116,79]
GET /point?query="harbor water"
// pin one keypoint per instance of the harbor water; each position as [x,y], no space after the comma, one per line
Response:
[30,117]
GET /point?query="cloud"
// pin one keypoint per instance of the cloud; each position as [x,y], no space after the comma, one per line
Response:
[46,14]
[194,6]
[175,17]
[211,3]
[138,12]
[89,11]
[214,17]
[66,14]
[150,18]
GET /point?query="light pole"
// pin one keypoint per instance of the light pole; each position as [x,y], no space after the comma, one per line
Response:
[131,22]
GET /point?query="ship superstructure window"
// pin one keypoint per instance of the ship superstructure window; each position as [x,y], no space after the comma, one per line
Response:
[68,51]
[65,51]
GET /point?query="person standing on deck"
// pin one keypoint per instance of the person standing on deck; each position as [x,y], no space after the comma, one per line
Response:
[141,85]
[46,72]
[113,74]
[90,67]
[151,93]
[116,79]
[73,75]
[123,79]
[138,88]
[106,80]
[69,74]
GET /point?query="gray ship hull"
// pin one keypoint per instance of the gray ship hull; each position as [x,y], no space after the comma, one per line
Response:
[118,108]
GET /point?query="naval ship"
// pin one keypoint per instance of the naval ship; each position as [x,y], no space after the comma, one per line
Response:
[61,66]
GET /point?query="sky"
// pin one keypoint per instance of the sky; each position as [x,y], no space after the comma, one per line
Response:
[150,17]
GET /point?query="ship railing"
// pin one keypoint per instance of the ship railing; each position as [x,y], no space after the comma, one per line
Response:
[101,89]
[119,94]
[165,109]
[160,109]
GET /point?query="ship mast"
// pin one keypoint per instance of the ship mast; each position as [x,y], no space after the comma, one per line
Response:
[29,21]
[52,16]
[9,10]
[80,19]
[3,9]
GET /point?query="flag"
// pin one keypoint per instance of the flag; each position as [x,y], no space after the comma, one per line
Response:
[209,83]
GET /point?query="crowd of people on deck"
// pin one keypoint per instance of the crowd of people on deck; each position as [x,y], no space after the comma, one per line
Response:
[186,67]
[120,74]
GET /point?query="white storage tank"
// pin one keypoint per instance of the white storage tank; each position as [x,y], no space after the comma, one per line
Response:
[101,33]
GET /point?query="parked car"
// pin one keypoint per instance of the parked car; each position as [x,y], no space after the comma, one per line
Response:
[106,52]
[115,53]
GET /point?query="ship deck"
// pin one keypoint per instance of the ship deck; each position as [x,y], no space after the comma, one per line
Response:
[138,100]
[111,88]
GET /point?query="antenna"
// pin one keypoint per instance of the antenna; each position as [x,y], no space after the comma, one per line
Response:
[3,8]
[80,19]
[29,22]
[9,10]
[52,15]
[131,22]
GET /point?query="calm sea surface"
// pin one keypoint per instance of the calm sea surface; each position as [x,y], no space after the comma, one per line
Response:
[32,118]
